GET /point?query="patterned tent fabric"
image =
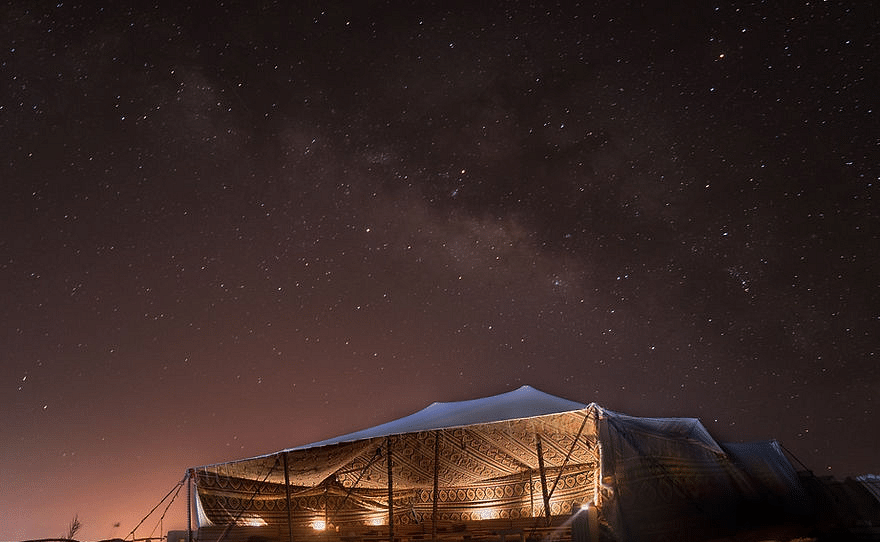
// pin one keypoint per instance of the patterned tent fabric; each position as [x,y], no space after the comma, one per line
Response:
[495,459]
[485,471]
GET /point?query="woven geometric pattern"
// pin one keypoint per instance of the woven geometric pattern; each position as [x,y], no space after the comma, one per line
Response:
[484,471]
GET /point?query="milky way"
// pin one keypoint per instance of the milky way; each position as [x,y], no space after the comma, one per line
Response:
[232,230]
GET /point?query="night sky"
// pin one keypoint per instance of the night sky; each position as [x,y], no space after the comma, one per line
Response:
[228,230]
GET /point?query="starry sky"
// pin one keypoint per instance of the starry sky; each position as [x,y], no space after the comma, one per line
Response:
[229,228]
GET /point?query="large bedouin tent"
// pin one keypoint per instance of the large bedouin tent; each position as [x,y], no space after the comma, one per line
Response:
[522,463]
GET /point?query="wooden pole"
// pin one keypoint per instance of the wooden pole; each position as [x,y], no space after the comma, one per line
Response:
[390,493]
[543,479]
[287,495]
[326,514]
[532,491]
[597,473]
[436,485]
[189,505]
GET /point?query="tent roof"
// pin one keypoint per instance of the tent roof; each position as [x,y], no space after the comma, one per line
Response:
[524,402]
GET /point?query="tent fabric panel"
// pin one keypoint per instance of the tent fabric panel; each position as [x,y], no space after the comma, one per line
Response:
[306,468]
[513,497]
[500,457]
[675,431]
[468,454]
[307,505]
[665,471]
[768,478]
[314,467]
[524,402]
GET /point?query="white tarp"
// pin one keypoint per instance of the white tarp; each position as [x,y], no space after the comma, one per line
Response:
[524,402]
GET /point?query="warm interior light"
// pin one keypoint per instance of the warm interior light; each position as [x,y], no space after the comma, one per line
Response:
[376,522]
[486,513]
[586,506]
[319,525]
[254,521]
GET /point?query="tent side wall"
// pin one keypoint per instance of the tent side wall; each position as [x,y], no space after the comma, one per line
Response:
[663,473]
[485,472]
[514,497]
[769,484]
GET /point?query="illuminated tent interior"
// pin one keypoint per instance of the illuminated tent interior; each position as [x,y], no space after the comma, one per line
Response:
[520,463]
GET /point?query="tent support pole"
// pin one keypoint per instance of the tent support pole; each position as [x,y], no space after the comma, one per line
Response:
[189,505]
[597,476]
[543,479]
[287,496]
[570,450]
[390,493]
[436,485]
[532,491]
